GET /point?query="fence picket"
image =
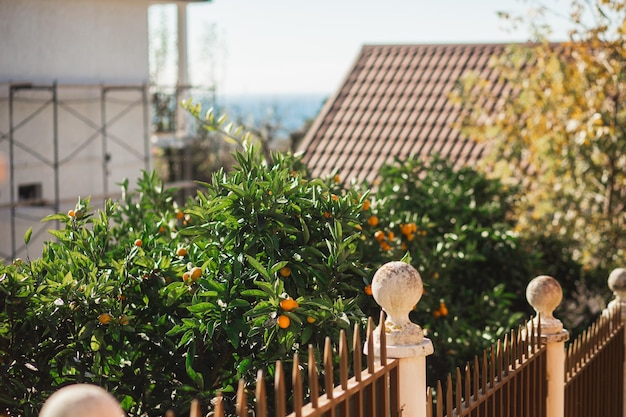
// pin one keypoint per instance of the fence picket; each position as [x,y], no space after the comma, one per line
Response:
[260,395]
[296,380]
[218,408]
[242,401]
[279,390]
[313,386]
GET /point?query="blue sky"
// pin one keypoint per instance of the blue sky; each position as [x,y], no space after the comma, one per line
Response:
[297,46]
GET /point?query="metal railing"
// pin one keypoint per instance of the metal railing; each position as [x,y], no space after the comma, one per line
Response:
[372,392]
[508,381]
[594,369]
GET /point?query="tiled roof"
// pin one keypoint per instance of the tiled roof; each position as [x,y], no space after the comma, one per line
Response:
[394,103]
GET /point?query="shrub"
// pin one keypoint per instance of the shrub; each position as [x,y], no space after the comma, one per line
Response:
[268,265]
[453,223]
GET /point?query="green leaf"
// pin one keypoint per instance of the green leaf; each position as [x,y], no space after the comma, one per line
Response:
[195,376]
[259,268]
[306,335]
[406,258]
[54,217]
[201,307]
[239,303]
[27,235]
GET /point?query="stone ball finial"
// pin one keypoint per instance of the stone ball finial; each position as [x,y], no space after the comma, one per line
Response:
[397,287]
[81,400]
[544,294]
[617,282]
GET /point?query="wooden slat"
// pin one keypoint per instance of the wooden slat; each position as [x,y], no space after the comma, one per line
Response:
[383,339]
[328,368]
[370,345]
[279,390]
[343,360]
[218,410]
[260,395]
[313,386]
[296,380]
[195,411]
[356,353]
[242,401]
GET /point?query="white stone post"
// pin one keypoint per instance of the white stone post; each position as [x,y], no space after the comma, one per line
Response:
[81,400]
[617,284]
[544,294]
[397,287]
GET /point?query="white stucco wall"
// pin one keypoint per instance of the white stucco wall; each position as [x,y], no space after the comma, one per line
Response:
[74,40]
[80,45]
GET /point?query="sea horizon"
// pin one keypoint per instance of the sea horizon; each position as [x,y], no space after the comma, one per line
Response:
[290,110]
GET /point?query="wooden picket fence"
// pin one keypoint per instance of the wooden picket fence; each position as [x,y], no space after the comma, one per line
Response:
[594,369]
[370,392]
[507,380]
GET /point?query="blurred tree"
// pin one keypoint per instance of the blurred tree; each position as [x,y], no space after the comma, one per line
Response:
[556,116]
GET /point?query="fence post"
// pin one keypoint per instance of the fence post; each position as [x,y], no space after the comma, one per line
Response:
[397,287]
[83,400]
[617,284]
[544,294]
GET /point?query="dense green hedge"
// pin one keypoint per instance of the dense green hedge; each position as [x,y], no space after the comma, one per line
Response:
[161,303]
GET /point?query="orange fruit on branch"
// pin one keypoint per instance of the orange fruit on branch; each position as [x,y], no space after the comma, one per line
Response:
[105,318]
[289,304]
[283,321]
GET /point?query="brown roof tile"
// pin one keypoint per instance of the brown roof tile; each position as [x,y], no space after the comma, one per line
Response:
[394,103]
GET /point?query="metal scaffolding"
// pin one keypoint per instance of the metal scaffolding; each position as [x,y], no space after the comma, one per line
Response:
[28,103]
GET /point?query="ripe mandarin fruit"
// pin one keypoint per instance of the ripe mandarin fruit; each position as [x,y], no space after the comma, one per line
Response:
[310,320]
[180,215]
[195,273]
[71,213]
[373,220]
[391,236]
[368,289]
[138,243]
[285,271]
[288,304]
[443,309]
[337,178]
[181,252]
[283,321]
[379,235]
[366,205]
[104,318]
[186,276]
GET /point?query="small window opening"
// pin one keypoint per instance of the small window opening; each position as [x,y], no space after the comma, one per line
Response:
[29,192]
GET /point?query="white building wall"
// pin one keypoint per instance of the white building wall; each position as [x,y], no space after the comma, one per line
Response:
[89,41]
[81,45]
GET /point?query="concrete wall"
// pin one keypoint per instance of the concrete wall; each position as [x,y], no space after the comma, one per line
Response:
[74,41]
[80,45]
